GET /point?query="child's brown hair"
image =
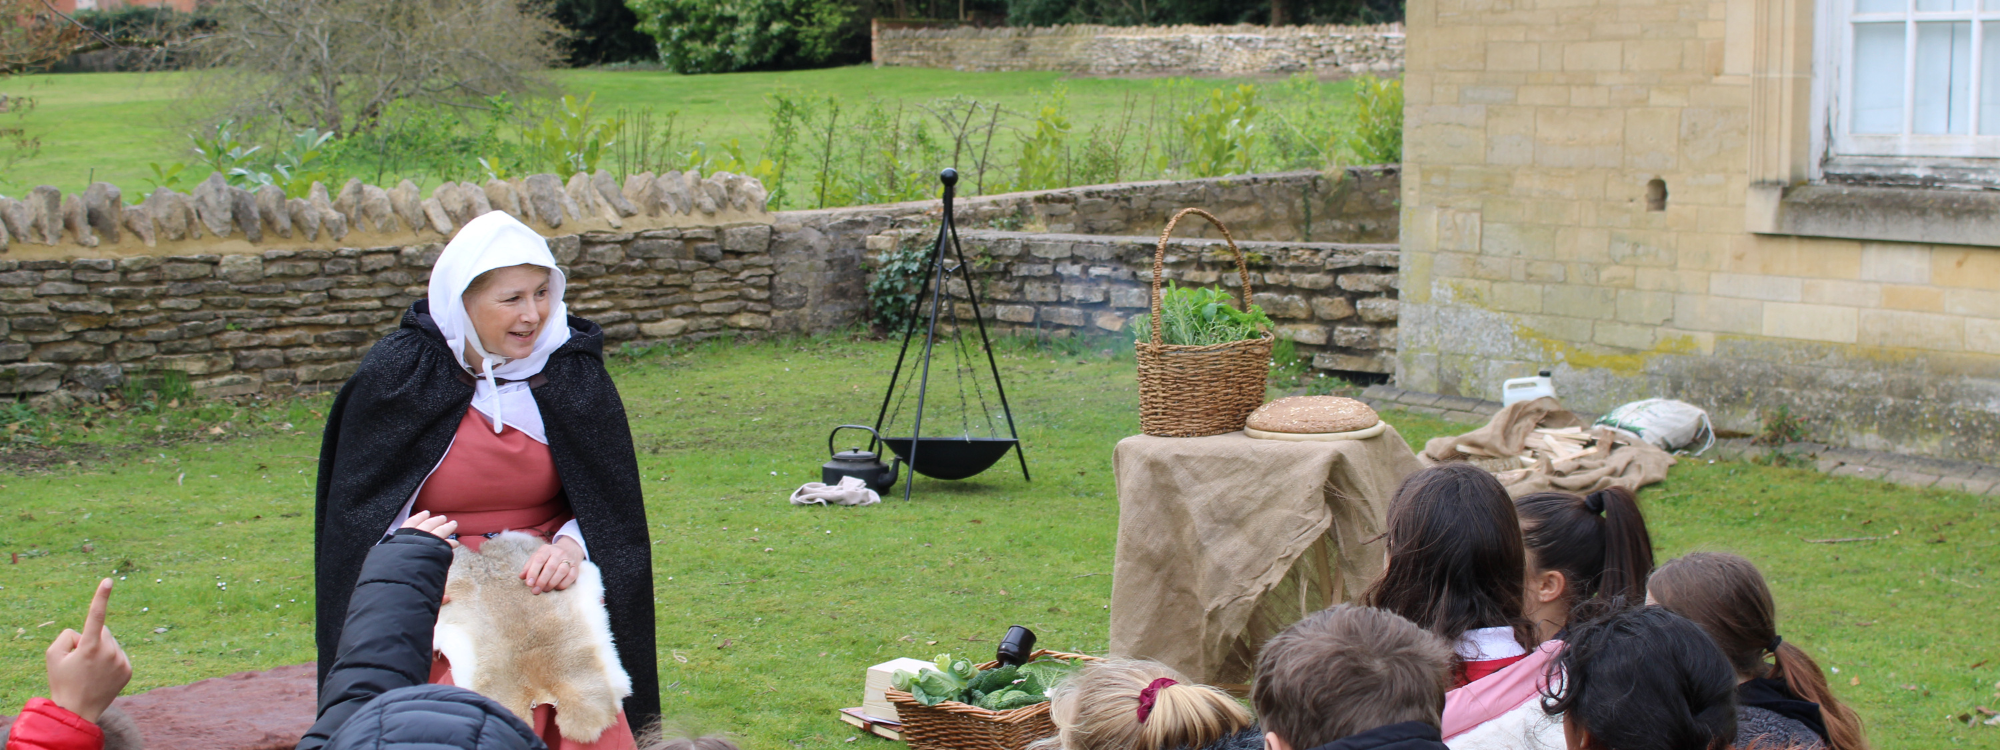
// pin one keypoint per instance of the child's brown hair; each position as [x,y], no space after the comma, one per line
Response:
[1727,597]
[1132,704]
[1348,669]
[658,736]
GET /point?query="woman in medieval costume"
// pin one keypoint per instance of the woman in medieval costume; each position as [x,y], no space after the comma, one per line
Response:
[492,406]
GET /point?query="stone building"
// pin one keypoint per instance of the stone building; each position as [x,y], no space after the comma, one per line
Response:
[1745,204]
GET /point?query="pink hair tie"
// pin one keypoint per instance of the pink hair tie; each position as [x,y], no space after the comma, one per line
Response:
[1151,694]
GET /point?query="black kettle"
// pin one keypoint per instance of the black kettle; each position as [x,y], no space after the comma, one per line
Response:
[855,462]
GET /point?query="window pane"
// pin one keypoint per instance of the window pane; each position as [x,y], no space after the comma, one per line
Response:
[1944,75]
[1935,6]
[1878,78]
[1989,79]
[1887,6]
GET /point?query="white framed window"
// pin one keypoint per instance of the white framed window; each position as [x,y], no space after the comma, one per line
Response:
[1912,78]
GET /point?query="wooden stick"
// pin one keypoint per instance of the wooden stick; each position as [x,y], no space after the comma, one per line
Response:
[1848,539]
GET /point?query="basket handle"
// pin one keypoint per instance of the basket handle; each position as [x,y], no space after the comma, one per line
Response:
[1160,257]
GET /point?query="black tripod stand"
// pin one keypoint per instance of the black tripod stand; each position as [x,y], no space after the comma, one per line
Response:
[948,457]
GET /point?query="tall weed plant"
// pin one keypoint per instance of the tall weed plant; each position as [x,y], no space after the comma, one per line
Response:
[1377,133]
[820,149]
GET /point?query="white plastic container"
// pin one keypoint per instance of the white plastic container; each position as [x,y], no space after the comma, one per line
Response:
[1527,389]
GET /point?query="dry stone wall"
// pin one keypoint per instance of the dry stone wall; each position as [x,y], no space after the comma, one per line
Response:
[219,217]
[282,314]
[821,258]
[1145,50]
[1336,301]
[285,320]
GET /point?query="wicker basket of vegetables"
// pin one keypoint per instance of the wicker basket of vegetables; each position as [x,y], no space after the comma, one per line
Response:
[960,706]
[1202,362]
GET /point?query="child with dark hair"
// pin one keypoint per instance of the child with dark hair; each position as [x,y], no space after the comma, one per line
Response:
[658,736]
[1580,547]
[1352,678]
[1644,679]
[1455,567]
[1784,702]
[375,696]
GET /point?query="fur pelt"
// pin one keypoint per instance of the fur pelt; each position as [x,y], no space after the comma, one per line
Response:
[523,650]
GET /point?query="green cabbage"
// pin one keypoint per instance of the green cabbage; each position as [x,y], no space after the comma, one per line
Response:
[1002,689]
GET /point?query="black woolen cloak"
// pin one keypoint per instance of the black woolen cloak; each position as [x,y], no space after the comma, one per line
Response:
[391,425]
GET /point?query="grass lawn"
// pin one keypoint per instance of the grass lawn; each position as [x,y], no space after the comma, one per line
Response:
[768,613]
[112,125]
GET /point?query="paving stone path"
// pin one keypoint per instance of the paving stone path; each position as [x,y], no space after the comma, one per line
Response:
[1911,471]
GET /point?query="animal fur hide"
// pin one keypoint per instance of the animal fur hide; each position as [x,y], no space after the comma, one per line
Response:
[524,650]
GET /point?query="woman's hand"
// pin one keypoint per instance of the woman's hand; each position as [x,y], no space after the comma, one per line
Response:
[553,567]
[437,526]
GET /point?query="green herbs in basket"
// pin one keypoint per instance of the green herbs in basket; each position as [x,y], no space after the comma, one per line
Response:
[1200,316]
[1000,689]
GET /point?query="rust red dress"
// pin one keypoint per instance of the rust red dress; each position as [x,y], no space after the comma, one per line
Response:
[507,482]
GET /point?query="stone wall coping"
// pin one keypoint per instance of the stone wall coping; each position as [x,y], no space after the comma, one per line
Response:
[892,30]
[1140,50]
[1058,195]
[218,217]
[1151,240]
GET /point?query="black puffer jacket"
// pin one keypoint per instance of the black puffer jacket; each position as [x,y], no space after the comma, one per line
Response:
[1409,735]
[375,696]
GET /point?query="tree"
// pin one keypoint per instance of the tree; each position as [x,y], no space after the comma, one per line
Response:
[337,65]
[602,31]
[31,37]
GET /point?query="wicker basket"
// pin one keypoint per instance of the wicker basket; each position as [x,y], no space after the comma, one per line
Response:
[956,726]
[1194,391]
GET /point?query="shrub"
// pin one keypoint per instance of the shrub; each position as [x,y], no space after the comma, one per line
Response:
[1042,150]
[718,36]
[1377,134]
[899,278]
[601,31]
[1219,132]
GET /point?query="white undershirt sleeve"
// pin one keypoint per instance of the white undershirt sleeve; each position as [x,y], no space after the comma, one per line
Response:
[574,531]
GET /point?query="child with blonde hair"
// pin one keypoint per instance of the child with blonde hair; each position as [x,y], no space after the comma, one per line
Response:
[1133,704]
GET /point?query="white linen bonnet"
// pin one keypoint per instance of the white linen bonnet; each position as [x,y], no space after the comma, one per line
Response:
[497,240]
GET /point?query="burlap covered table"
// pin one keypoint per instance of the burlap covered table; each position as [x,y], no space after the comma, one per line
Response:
[1225,540]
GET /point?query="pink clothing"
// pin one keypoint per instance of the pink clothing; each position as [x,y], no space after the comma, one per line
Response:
[1499,692]
[492,483]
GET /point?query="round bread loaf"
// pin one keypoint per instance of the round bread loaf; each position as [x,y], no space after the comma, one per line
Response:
[1313,415]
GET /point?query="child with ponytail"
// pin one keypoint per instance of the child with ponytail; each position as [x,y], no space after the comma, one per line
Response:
[1133,704]
[1582,549]
[1784,702]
